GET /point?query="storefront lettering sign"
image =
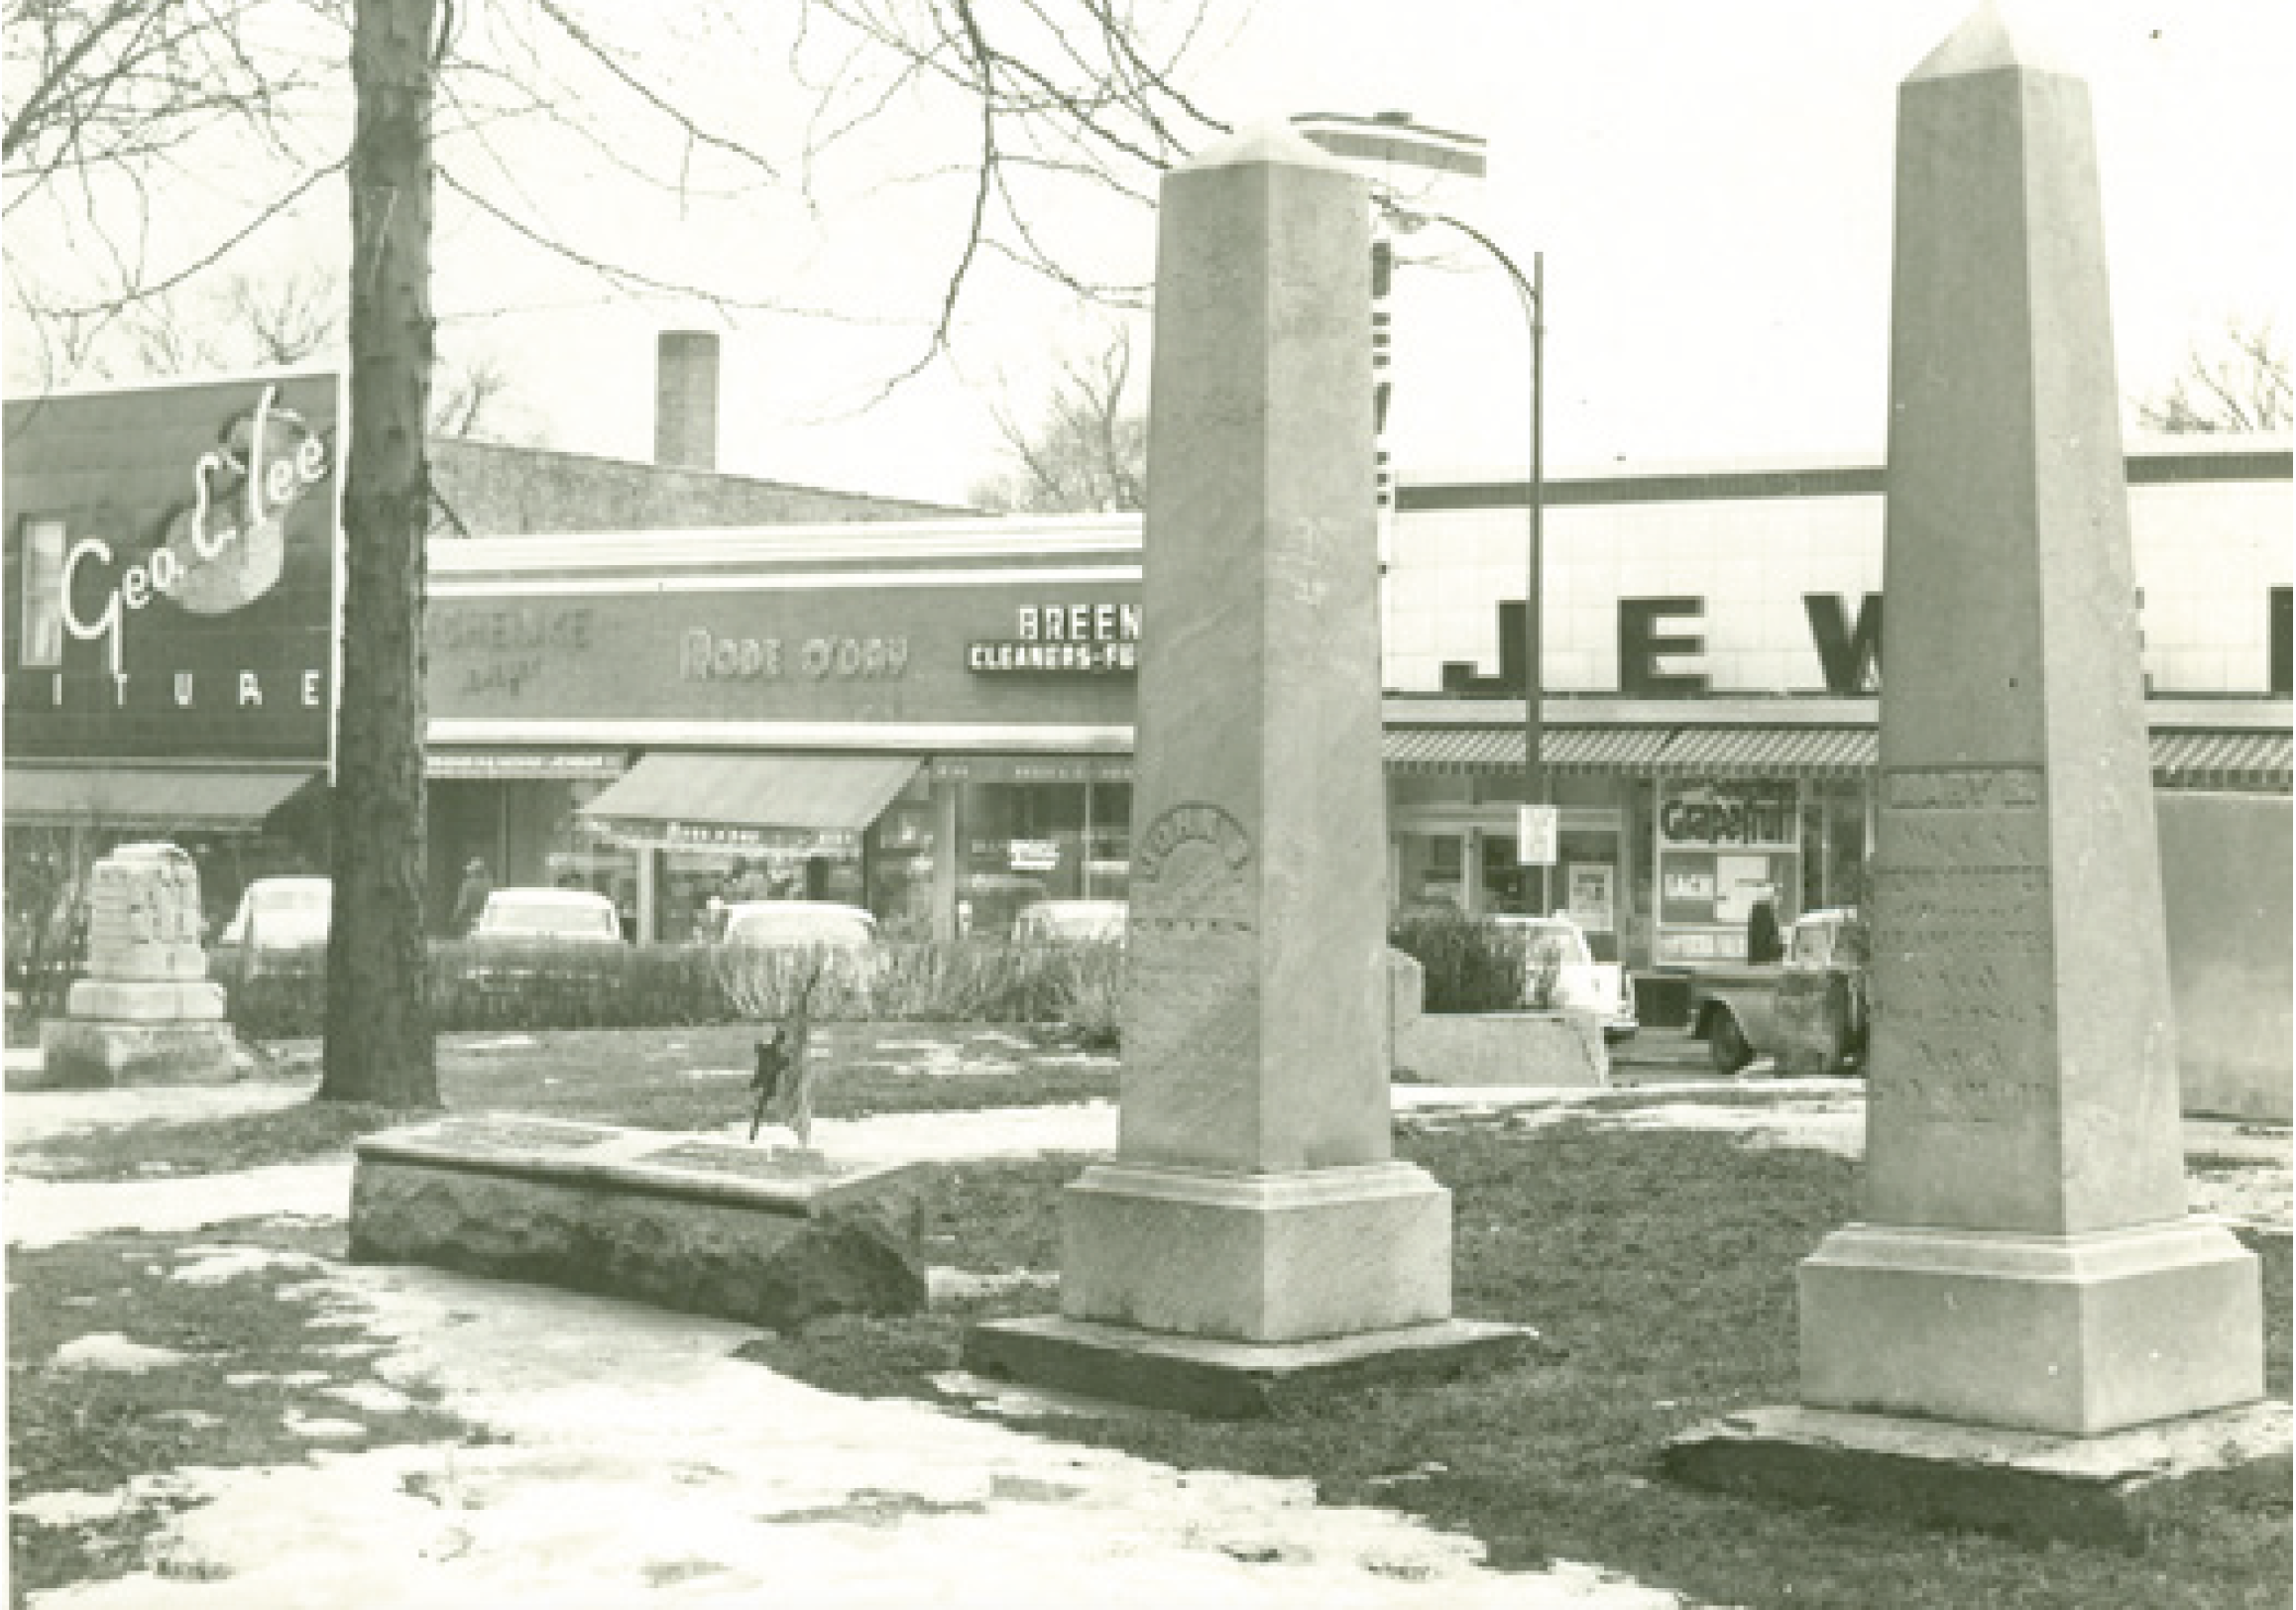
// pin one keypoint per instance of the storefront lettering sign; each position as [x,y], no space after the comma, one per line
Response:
[1751,811]
[707,656]
[1093,638]
[170,558]
[220,552]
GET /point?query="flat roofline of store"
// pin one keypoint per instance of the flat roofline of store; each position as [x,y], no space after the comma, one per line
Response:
[2224,712]
[2140,445]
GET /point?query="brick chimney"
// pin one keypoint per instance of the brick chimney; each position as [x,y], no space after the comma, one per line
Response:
[685,399]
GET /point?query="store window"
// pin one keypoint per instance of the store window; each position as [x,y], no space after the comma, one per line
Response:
[1026,842]
[1721,846]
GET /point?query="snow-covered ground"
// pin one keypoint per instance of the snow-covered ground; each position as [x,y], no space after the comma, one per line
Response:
[640,1462]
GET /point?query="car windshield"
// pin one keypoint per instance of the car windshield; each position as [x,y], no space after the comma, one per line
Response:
[764,925]
[547,917]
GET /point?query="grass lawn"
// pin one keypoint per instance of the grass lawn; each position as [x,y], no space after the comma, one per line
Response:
[680,1079]
[1660,1264]
[250,1370]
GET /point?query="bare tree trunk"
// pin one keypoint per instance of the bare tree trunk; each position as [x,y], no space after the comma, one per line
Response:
[379,1042]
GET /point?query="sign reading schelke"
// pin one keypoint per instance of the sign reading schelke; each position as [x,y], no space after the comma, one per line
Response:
[170,570]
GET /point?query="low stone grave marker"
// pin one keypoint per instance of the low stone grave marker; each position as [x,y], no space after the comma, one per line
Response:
[769,1237]
[146,1013]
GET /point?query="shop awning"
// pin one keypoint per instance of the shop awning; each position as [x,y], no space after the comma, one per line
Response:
[2221,759]
[1434,750]
[146,797]
[2181,759]
[748,801]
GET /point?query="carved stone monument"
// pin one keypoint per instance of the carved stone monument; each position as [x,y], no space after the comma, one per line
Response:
[146,1013]
[2024,1264]
[690,1222]
[1254,1225]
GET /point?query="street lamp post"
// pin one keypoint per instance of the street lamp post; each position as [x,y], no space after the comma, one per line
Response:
[1531,290]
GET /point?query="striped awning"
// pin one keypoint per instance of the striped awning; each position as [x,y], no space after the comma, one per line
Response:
[2221,759]
[2181,759]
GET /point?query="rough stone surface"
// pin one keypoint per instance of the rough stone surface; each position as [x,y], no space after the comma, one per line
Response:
[2023,1260]
[2094,1489]
[83,1054]
[1234,1380]
[704,1226]
[1563,1049]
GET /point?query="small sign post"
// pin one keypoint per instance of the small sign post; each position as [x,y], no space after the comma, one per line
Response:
[1535,835]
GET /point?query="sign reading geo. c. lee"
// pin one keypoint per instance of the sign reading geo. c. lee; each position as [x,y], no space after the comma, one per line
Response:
[170,568]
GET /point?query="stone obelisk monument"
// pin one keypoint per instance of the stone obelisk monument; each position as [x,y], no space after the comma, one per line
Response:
[1254,1224]
[2025,1262]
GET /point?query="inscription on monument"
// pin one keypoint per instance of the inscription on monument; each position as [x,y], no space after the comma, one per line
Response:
[1962,1001]
[517,1134]
[1191,822]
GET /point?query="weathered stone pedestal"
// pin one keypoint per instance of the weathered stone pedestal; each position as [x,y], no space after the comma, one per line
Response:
[2026,1329]
[705,1226]
[1256,1233]
[146,1013]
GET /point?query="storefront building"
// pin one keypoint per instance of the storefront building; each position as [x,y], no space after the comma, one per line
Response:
[171,587]
[935,718]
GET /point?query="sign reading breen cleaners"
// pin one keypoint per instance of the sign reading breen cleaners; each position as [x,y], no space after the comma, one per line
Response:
[1056,638]
[170,562]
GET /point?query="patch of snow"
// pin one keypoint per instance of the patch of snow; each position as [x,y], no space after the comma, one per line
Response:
[944,1285]
[642,1464]
[319,1428]
[33,1116]
[109,1351]
[499,1042]
[44,1212]
[80,1507]
[214,1265]
[371,1396]
[715,1073]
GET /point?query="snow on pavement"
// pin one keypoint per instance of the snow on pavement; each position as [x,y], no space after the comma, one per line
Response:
[644,1464]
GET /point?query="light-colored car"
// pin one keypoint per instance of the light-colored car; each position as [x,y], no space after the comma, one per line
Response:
[1581,983]
[798,925]
[280,930]
[1072,922]
[525,935]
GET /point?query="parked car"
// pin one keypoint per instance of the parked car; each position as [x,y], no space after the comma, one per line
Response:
[1809,1010]
[1581,983]
[277,931]
[523,936]
[1072,922]
[796,925]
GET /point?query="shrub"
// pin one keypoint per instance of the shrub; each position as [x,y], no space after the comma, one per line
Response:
[1078,986]
[1473,965]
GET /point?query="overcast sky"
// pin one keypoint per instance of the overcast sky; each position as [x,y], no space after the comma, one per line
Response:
[1710,184]
[1711,187]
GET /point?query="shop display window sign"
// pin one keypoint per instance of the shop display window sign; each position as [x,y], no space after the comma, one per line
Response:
[1723,846]
[171,571]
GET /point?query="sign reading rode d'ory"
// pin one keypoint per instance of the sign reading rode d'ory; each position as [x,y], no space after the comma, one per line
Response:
[171,571]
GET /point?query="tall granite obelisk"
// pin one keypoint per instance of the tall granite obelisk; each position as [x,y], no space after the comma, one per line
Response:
[1254,1220]
[2024,1261]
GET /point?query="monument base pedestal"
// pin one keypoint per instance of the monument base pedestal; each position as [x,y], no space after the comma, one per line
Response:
[92,1054]
[1256,1257]
[1231,1380]
[2113,1488]
[2073,1335]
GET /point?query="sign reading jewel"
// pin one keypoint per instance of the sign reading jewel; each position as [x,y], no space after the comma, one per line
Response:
[1063,639]
[170,566]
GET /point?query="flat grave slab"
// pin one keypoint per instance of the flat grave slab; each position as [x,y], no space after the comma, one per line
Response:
[768,1237]
[2112,1488]
[1234,1380]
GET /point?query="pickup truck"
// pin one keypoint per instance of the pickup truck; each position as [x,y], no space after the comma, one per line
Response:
[1809,1010]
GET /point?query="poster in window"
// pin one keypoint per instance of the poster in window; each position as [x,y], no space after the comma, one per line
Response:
[1591,885]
